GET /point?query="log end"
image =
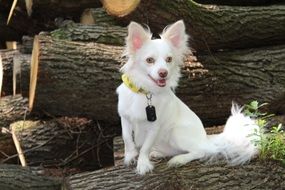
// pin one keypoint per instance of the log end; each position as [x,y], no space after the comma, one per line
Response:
[34,72]
[120,8]
[86,17]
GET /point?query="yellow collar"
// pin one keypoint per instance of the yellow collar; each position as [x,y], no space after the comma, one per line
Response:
[127,81]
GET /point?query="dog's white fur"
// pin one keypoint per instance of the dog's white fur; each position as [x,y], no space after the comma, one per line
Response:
[178,131]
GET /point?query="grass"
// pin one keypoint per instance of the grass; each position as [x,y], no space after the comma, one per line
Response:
[271,141]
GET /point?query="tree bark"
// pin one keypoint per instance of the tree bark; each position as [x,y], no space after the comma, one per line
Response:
[97,16]
[215,27]
[65,142]
[101,33]
[12,108]
[256,175]
[87,73]
[14,177]
[7,62]
[239,2]
[16,68]
[241,76]
[80,79]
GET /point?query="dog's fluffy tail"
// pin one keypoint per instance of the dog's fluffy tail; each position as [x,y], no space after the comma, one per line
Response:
[237,142]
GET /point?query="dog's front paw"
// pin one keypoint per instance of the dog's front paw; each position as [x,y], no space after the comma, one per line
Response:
[144,166]
[130,157]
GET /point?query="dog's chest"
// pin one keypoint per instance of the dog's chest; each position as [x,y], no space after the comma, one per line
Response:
[133,105]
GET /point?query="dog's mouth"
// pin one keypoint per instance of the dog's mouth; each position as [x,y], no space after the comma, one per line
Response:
[159,82]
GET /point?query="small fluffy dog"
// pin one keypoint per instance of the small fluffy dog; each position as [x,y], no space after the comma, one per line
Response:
[155,122]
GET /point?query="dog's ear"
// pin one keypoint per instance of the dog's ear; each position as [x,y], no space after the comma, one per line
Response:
[137,36]
[176,35]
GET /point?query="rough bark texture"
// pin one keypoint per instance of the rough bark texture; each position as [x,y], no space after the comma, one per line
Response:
[65,142]
[18,64]
[240,2]
[256,175]
[7,61]
[80,79]
[21,73]
[241,76]
[12,108]
[101,33]
[77,79]
[97,16]
[216,27]
[13,177]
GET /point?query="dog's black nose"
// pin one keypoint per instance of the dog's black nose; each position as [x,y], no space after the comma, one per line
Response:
[162,73]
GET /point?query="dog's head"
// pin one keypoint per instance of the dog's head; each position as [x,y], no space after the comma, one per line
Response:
[154,65]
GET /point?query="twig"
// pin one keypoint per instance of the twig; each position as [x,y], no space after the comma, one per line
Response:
[4,154]
[29,150]
[19,149]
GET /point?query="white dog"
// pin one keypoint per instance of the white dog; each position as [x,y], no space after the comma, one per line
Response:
[157,123]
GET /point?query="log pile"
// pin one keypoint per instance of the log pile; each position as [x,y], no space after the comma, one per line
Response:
[196,175]
[58,88]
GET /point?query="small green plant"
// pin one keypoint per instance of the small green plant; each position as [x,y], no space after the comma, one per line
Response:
[272,143]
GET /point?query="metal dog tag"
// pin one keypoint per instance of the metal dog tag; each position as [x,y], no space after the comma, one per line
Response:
[150,113]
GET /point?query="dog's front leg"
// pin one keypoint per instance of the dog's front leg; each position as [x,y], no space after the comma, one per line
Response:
[144,165]
[130,148]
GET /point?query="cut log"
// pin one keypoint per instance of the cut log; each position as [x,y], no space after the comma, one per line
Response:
[11,45]
[65,142]
[21,74]
[12,108]
[239,2]
[256,175]
[95,65]
[7,69]
[16,71]
[96,16]
[14,177]
[79,79]
[215,27]
[120,7]
[106,34]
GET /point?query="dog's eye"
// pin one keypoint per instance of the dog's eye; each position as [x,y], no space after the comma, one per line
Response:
[168,59]
[150,60]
